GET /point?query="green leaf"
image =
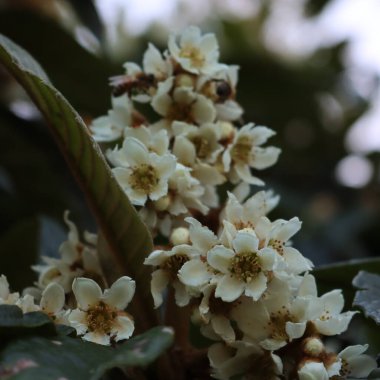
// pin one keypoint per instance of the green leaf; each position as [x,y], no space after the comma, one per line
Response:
[368,299]
[76,359]
[340,275]
[128,238]
[14,322]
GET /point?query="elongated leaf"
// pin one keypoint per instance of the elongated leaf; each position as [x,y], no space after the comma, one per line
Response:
[74,359]
[340,275]
[127,236]
[368,299]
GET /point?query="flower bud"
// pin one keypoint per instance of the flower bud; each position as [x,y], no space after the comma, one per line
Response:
[162,204]
[184,80]
[226,130]
[313,347]
[180,235]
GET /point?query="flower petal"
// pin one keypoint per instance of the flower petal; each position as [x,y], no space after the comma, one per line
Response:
[53,298]
[87,292]
[229,288]
[124,328]
[120,293]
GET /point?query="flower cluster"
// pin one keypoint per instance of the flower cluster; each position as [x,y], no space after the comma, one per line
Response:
[171,166]
[249,289]
[68,290]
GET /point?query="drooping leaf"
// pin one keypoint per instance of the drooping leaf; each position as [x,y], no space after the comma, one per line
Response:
[14,322]
[127,236]
[76,359]
[340,275]
[368,298]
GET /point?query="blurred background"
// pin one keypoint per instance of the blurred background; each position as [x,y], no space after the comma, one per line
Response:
[309,70]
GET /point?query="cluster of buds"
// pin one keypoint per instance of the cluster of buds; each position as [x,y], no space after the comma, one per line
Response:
[69,291]
[170,167]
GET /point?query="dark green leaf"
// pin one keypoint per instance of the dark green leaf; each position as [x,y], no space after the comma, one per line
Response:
[368,299]
[340,275]
[127,236]
[75,359]
[14,322]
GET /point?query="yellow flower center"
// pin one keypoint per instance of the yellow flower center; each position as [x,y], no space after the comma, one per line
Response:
[174,263]
[144,178]
[277,245]
[241,151]
[202,146]
[194,55]
[181,112]
[277,323]
[245,266]
[101,318]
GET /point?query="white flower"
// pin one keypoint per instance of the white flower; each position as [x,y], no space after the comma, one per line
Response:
[276,235]
[244,267]
[142,174]
[195,53]
[100,317]
[183,104]
[155,142]
[168,263]
[354,363]
[185,192]
[245,152]
[247,214]
[77,259]
[266,322]
[111,127]
[155,64]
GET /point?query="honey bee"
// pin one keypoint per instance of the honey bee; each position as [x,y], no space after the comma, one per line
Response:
[125,84]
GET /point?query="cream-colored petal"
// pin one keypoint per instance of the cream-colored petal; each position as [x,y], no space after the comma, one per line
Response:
[267,258]
[120,293]
[256,287]
[295,330]
[229,288]
[244,173]
[245,242]
[123,329]
[87,292]
[222,326]
[135,152]
[181,295]
[194,273]
[78,320]
[203,110]
[98,338]
[220,257]
[263,158]
[160,280]
[53,298]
